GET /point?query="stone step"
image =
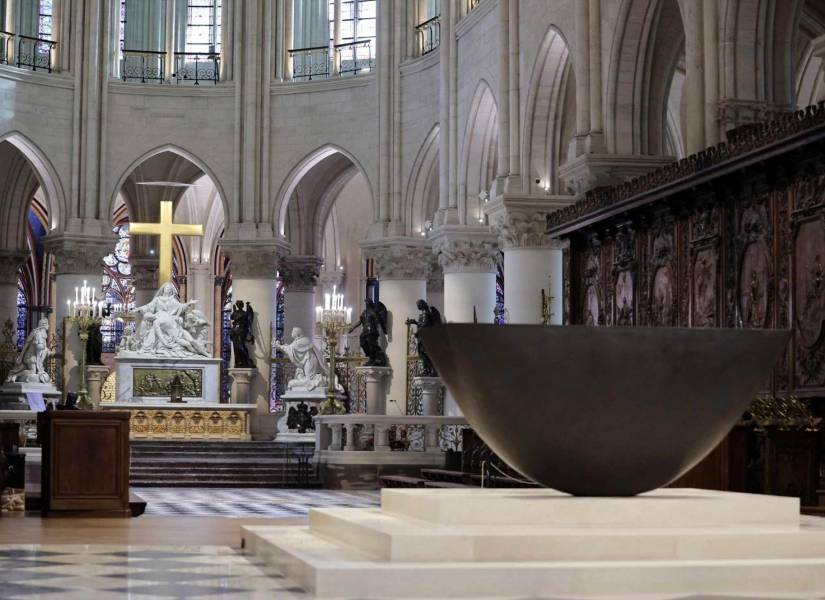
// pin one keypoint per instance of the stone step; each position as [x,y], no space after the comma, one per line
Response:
[229,484]
[329,569]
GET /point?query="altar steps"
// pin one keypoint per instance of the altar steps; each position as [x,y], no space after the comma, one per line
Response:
[206,464]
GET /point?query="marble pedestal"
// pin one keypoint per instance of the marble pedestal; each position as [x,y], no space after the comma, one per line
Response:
[13,395]
[242,385]
[132,371]
[377,384]
[431,388]
[95,376]
[294,398]
[494,543]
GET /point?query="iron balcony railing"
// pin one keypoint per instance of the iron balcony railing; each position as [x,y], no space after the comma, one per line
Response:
[350,58]
[34,53]
[355,57]
[197,67]
[310,63]
[143,66]
[429,35]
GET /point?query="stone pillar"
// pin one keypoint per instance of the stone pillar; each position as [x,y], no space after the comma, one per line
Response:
[144,278]
[95,376]
[402,268]
[376,379]
[10,262]
[254,268]
[694,94]
[299,275]
[77,259]
[532,262]
[242,385]
[819,52]
[430,394]
[435,286]
[201,287]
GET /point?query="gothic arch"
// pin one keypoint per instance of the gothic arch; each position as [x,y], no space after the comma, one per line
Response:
[183,153]
[41,173]
[548,127]
[647,45]
[419,205]
[479,152]
[304,166]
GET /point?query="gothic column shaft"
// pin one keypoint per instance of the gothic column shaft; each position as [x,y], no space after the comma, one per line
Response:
[694,77]
[10,263]
[595,56]
[504,88]
[299,275]
[528,271]
[201,286]
[582,65]
[402,271]
[469,265]
[711,43]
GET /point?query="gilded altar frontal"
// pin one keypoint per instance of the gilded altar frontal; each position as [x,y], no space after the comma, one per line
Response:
[156,383]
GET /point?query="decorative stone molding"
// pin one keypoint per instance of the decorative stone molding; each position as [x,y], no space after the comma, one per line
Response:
[457,255]
[300,273]
[78,254]
[522,230]
[590,171]
[733,113]
[252,260]
[401,261]
[331,278]
[10,262]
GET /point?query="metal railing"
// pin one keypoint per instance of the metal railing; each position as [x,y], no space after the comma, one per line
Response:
[310,63]
[34,53]
[197,68]
[428,34]
[385,434]
[143,66]
[354,57]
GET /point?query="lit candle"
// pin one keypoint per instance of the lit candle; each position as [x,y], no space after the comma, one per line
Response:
[349,314]
[76,294]
[327,302]
[318,314]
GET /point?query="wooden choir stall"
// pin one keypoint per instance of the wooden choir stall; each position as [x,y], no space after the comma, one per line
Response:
[731,237]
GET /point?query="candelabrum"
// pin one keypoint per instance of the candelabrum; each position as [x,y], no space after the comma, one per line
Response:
[331,320]
[86,311]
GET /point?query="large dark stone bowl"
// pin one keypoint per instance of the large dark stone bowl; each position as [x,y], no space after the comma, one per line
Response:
[597,411]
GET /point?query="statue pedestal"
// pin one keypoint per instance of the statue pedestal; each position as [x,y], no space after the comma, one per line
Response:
[430,394]
[13,395]
[292,399]
[95,376]
[146,380]
[376,380]
[242,384]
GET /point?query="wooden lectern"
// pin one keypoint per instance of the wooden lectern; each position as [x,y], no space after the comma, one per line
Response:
[85,463]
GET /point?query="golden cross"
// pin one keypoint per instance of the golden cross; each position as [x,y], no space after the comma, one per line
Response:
[165,229]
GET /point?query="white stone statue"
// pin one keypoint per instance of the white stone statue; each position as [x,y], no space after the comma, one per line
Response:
[30,365]
[309,373]
[168,328]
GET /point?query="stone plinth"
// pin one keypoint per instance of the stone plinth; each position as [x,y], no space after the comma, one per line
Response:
[493,543]
[431,388]
[13,395]
[136,379]
[95,376]
[292,399]
[242,385]
[377,381]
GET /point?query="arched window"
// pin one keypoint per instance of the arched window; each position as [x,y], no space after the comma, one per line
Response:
[22,316]
[45,20]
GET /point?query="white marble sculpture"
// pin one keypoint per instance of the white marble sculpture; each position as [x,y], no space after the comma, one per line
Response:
[30,365]
[309,372]
[167,328]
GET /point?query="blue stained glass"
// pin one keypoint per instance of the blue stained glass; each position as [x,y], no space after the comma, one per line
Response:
[22,317]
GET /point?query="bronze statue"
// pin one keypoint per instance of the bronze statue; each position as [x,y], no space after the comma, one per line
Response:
[94,345]
[373,324]
[427,317]
[241,333]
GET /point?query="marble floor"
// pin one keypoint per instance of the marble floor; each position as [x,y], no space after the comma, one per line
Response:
[239,503]
[103,572]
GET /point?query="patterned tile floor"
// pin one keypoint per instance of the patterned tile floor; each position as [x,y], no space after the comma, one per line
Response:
[267,503]
[165,573]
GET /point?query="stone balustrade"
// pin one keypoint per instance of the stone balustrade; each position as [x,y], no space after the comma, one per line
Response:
[387,439]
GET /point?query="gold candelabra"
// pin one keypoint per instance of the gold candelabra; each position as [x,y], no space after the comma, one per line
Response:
[331,321]
[84,325]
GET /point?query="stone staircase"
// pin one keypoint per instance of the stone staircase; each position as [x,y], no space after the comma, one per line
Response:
[206,464]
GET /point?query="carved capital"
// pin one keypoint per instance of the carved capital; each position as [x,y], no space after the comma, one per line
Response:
[401,261]
[331,278]
[300,273]
[517,229]
[467,255]
[253,260]
[10,262]
[78,254]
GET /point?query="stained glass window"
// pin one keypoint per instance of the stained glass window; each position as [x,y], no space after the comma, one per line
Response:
[203,26]
[22,317]
[116,287]
[45,19]
[276,387]
[501,315]
[226,345]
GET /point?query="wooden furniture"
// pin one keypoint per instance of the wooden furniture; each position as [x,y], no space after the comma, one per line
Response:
[85,463]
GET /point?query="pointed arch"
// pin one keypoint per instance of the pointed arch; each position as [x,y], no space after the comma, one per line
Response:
[479,151]
[423,179]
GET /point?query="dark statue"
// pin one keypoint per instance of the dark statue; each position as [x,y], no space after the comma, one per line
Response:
[241,334]
[427,317]
[373,324]
[94,345]
[292,419]
[301,417]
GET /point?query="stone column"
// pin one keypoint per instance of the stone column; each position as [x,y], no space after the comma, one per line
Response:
[254,268]
[77,259]
[144,278]
[299,274]
[95,376]
[819,52]
[242,385]
[10,262]
[435,286]
[201,287]
[402,268]
[532,262]
[375,379]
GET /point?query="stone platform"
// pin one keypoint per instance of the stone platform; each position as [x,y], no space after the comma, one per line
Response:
[459,543]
